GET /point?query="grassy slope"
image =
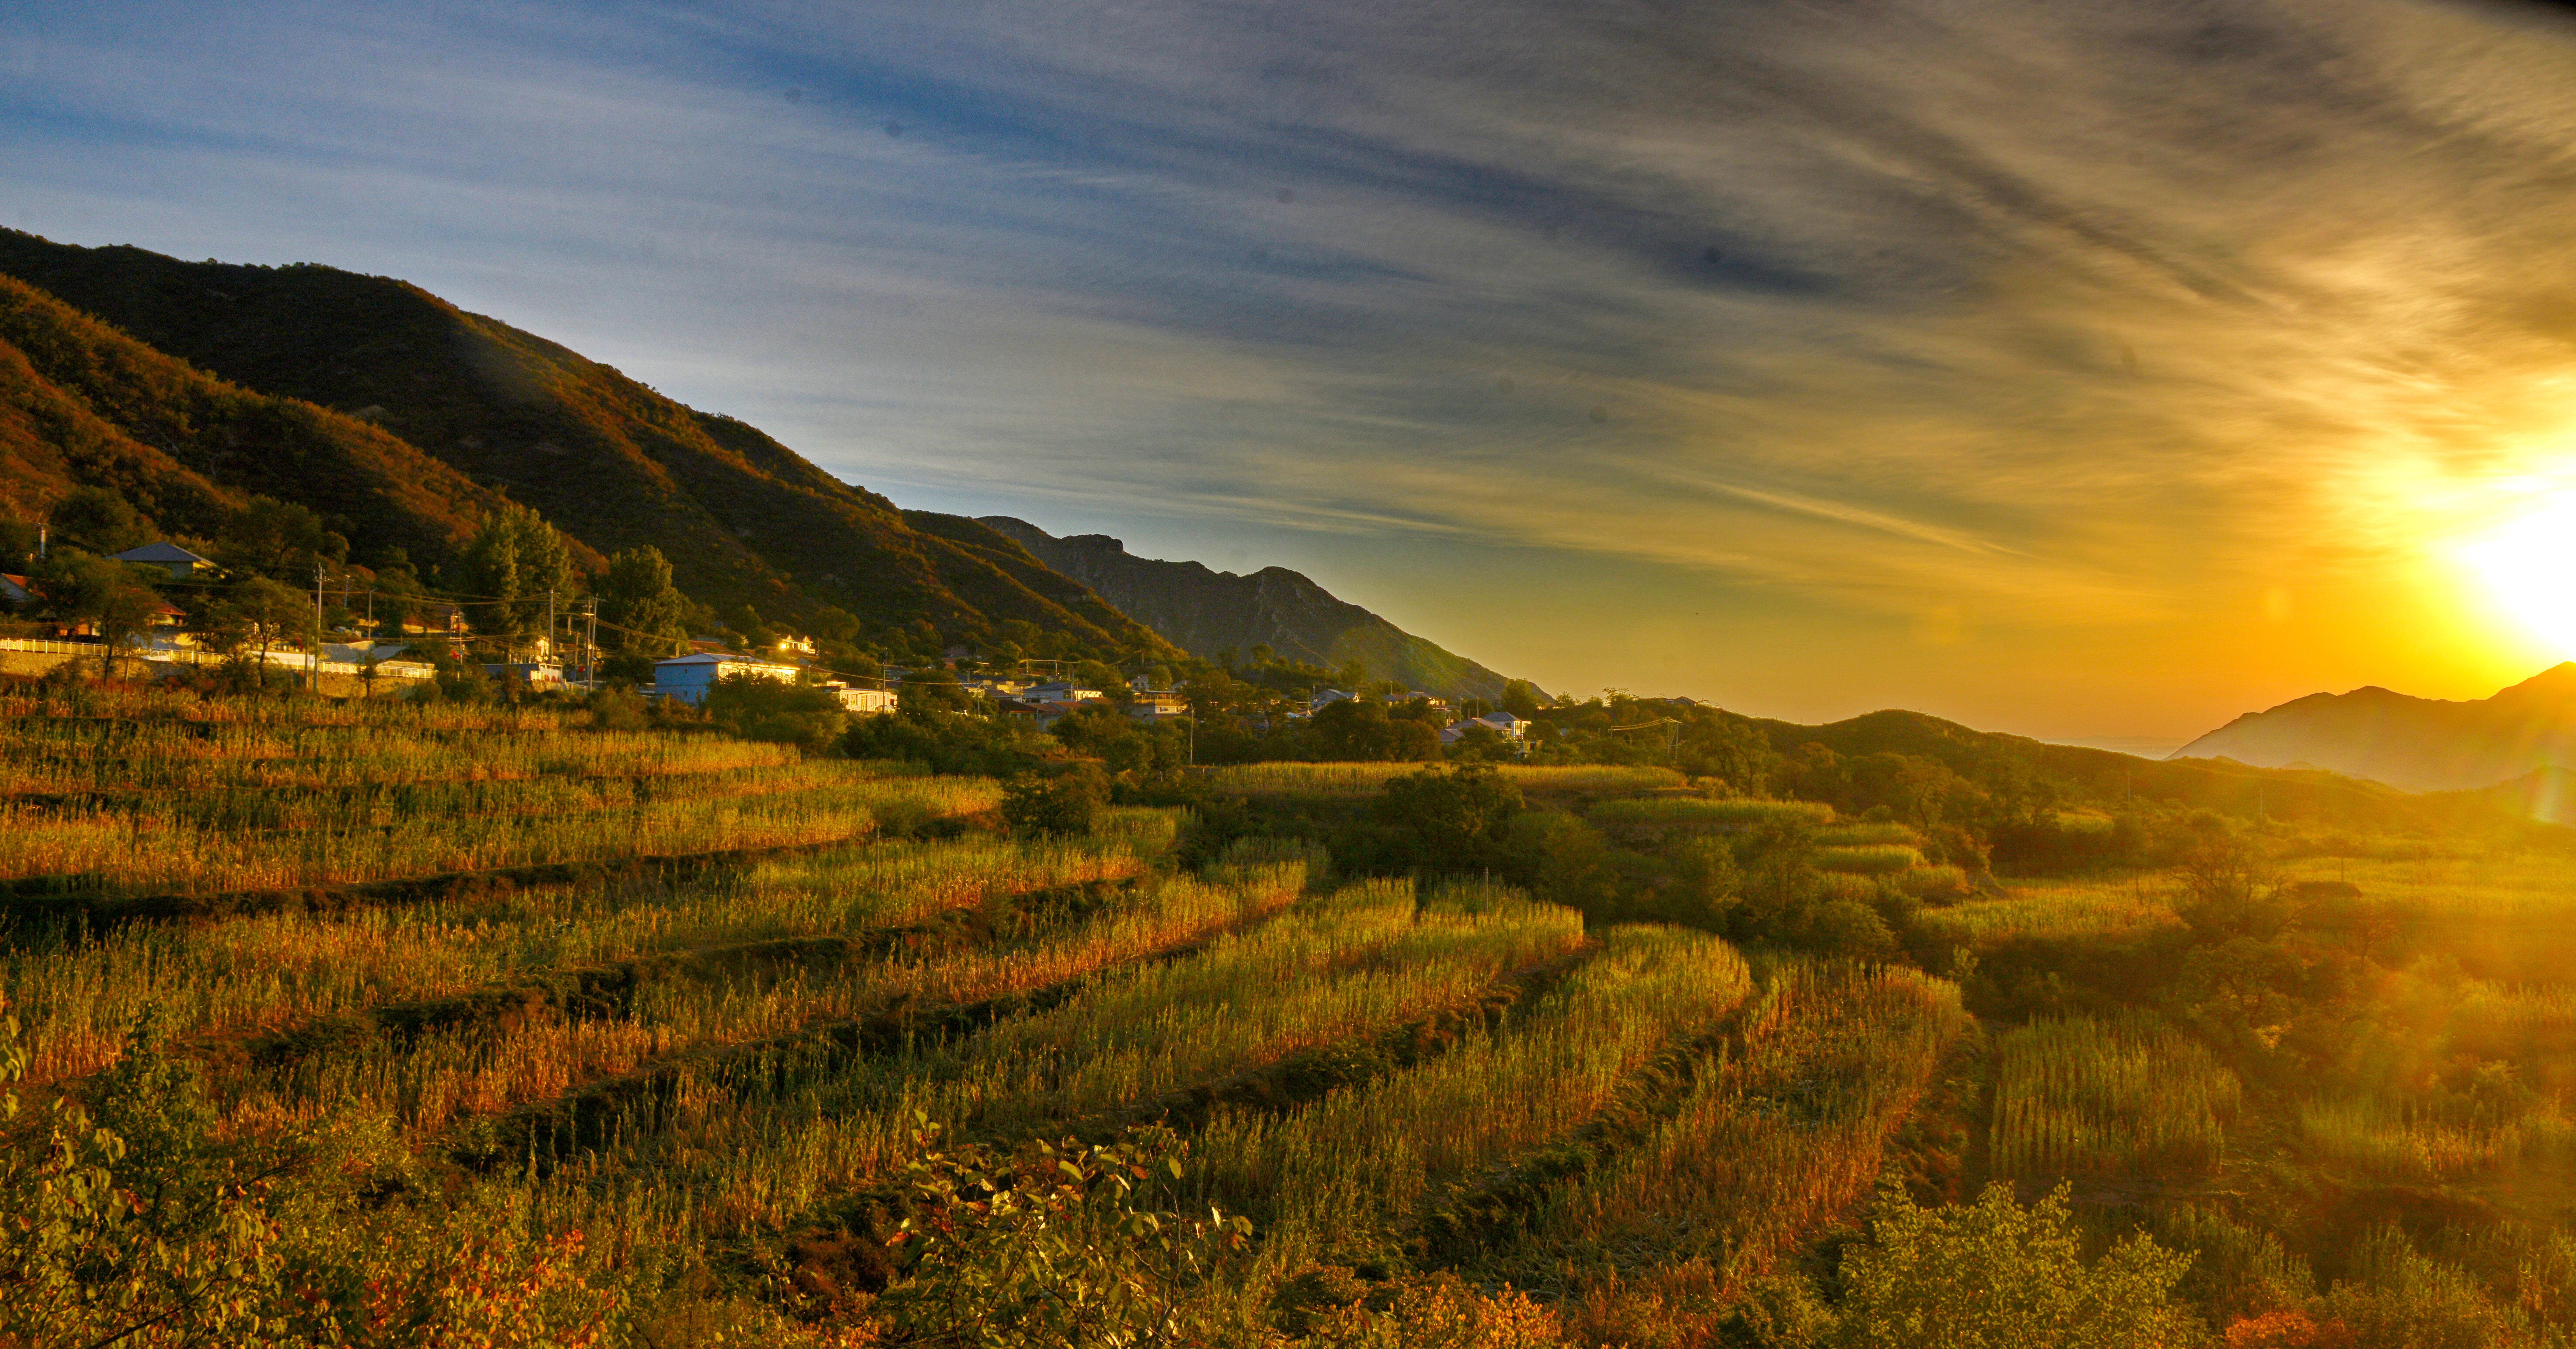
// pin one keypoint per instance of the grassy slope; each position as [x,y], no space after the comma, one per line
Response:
[743,518]
[84,404]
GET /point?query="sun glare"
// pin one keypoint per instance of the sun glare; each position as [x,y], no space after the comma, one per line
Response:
[2529,566]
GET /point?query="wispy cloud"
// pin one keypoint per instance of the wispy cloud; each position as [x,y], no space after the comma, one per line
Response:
[2058,312]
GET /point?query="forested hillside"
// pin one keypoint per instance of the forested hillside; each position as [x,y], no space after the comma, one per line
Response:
[83,405]
[480,409]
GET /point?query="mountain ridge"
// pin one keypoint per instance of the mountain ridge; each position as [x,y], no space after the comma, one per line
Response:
[1208,612]
[609,461]
[2418,744]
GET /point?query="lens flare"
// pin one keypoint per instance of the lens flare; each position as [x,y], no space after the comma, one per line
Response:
[2529,566]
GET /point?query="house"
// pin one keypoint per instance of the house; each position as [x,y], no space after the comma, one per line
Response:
[533,675]
[1325,698]
[1058,691]
[688,678]
[1158,705]
[361,653]
[424,618]
[866,702]
[14,591]
[789,648]
[1039,715]
[182,564]
[1512,730]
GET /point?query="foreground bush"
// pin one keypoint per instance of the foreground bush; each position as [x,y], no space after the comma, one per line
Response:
[123,1221]
[1055,1245]
[1995,1275]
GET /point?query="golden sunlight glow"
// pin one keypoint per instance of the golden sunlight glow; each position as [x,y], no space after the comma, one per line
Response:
[2529,566]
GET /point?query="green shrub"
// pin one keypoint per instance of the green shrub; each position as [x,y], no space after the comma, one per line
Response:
[1055,1244]
[1995,1275]
[1064,803]
[805,715]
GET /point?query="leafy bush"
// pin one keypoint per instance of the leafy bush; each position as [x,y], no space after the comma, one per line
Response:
[946,742]
[772,710]
[1055,1244]
[1063,803]
[1995,1275]
[125,1220]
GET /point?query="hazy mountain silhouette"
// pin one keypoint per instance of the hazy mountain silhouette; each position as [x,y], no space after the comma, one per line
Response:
[2421,744]
[480,408]
[1207,613]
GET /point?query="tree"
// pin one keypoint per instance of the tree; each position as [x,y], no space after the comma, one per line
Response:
[773,710]
[645,614]
[1521,698]
[832,623]
[923,692]
[1065,803]
[1127,746]
[105,594]
[100,521]
[1995,1275]
[1454,820]
[276,538]
[257,611]
[1056,1244]
[17,544]
[1359,730]
[516,565]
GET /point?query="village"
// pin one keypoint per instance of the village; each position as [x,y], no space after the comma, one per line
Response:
[340,650]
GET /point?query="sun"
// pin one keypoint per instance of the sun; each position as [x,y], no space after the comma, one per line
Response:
[2529,566]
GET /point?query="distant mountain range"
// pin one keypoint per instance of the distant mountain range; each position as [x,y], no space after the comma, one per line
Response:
[2524,736]
[1208,613]
[402,419]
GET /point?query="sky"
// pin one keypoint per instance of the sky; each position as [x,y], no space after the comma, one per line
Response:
[2093,371]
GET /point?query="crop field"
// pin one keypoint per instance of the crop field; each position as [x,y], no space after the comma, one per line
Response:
[2125,1096]
[1367,779]
[1690,812]
[589,1036]
[176,802]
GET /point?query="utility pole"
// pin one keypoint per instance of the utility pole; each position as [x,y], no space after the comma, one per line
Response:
[313,658]
[550,626]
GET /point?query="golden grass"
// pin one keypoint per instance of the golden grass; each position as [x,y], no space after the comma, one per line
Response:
[2058,908]
[1336,1178]
[114,852]
[2084,1097]
[55,756]
[1782,1135]
[1869,859]
[1691,812]
[1368,779]
[268,972]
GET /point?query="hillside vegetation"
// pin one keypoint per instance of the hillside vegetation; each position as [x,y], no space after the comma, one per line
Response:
[472,1023]
[84,405]
[432,413]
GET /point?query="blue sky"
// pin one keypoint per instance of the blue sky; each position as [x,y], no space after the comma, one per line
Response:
[2079,369]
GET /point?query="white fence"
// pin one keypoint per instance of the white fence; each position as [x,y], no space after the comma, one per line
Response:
[290,660]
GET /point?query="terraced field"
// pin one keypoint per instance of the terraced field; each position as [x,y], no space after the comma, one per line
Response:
[526,1028]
